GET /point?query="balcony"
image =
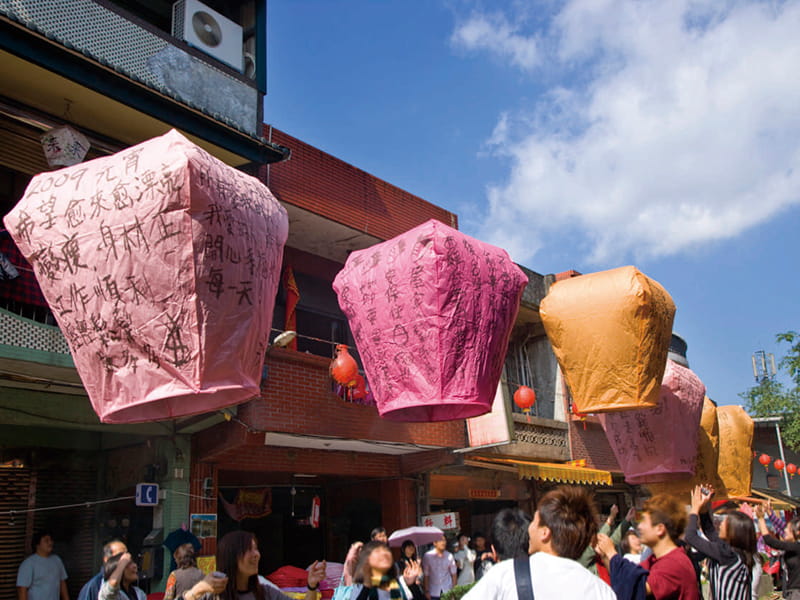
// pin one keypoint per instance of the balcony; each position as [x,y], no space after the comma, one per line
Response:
[116,75]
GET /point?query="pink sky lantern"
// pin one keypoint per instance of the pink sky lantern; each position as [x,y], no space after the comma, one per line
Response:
[660,444]
[161,265]
[431,311]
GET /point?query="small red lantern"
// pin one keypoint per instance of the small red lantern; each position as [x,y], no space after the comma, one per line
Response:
[579,415]
[778,464]
[344,367]
[360,389]
[525,398]
[765,459]
[791,469]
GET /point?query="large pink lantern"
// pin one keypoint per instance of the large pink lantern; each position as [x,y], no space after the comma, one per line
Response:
[431,311]
[660,444]
[161,265]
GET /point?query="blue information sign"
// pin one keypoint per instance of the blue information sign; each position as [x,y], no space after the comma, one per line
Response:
[146,494]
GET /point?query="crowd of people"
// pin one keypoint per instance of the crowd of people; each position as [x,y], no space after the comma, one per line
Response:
[563,551]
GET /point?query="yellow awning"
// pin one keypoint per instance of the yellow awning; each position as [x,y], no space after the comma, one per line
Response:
[560,472]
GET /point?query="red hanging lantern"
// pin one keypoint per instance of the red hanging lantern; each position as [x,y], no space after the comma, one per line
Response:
[791,469]
[344,368]
[578,415]
[360,388]
[765,459]
[778,464]
[525,398]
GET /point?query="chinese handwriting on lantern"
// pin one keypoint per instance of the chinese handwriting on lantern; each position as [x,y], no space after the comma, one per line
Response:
[428,522]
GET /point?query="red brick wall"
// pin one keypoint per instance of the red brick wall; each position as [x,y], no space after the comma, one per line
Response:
[200,471]
[325,185]
[297,398]
[592,445]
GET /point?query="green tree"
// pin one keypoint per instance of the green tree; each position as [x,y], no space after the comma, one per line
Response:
[771,398]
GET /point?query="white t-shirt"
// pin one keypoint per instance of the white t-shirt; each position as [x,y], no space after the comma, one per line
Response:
[553,577]
[634,558]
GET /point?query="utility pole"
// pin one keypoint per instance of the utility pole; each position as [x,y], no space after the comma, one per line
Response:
[763,370]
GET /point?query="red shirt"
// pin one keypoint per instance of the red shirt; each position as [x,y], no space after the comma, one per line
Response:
[672,576]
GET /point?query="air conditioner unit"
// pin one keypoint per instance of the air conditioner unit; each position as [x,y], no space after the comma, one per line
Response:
[207,30]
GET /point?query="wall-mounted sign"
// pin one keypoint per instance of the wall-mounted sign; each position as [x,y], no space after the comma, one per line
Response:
[444,521]
[204,525]
[484,494]
[146,494]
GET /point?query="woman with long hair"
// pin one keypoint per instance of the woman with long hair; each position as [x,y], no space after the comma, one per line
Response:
[408,554]
[790,545]
[731,553]
[237,558]
[120,575]
[376,576]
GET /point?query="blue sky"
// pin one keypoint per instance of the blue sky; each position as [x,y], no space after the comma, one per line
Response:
[586,134]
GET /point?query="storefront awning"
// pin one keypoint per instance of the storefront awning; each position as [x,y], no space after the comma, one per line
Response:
[779,500]
[560,472]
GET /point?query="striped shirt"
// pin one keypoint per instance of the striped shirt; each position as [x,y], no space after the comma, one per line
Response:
[728,575]
[731,581]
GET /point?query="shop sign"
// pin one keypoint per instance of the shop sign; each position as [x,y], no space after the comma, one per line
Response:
[483,493]
[444,521]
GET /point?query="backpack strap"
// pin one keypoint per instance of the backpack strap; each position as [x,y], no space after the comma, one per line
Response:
[522,575]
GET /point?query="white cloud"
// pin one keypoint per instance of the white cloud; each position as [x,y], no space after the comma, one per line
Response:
[684,128]
[494,33]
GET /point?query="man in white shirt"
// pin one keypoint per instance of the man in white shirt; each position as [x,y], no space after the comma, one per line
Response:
[564,524]
[439,568]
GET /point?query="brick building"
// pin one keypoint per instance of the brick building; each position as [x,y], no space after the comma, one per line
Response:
[299,439]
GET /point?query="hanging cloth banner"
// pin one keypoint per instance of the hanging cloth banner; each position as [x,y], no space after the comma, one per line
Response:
[161,264]
[249,504]
[431,311]
[292,298]
[659,444]
[610,332]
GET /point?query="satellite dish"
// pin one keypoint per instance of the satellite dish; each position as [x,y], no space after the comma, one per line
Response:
[206,28]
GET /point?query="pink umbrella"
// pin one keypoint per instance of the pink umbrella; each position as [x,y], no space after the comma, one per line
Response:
[419,535]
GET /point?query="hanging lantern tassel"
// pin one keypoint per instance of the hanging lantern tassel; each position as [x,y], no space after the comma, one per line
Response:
[359,390]
[791,469]
[525,398]
[765,459]
[778,464]
[579,415]
[344,368]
